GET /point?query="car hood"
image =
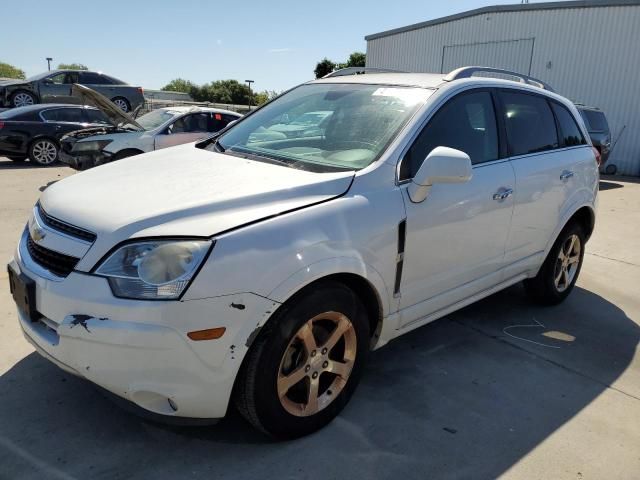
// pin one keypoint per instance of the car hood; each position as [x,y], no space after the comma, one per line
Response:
[183,191]
[11,81]
[115,115]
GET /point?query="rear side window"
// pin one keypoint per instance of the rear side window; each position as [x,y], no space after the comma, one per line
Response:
[73,115]
[570,134]
[529,122]
[221,120]
[466,123]
[92,78]
[596,121]
[96,116]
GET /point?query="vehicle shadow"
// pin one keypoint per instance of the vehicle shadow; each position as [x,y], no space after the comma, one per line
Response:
[6,164]
[466,397]
[609,185]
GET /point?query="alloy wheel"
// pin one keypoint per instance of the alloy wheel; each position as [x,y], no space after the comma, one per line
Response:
[567,263]
[44,152]
[317,364]
[121,104]
[22,99]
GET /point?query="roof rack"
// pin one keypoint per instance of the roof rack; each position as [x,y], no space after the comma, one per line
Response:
[359,71]
[467,72]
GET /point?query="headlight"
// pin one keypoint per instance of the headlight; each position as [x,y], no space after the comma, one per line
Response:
[153,269]
[92,146]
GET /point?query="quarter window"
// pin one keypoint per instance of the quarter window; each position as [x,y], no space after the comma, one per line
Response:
[466,123]
[529,122]
[570,134]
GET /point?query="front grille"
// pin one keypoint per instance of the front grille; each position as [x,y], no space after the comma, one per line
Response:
[65,227]
[57,263]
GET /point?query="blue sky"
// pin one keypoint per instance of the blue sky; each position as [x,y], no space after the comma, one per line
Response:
[148,43]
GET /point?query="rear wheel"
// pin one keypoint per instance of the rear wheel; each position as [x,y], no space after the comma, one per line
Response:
[121,103]
[560,271]
[305,365]
[43,151]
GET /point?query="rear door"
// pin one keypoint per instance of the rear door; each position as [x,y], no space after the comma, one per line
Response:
[546,150]
[455,239]
[188,128]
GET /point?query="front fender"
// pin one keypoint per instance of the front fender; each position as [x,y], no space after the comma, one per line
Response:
[331,266]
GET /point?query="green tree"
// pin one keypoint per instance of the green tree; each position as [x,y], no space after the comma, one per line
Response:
[72,66]
[356,59]
[324,67]
[184,86]
[9,71]
[264,96]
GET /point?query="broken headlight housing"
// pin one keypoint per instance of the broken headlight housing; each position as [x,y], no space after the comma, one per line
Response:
[154,269]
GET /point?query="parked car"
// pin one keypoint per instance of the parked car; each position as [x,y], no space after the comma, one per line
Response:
[34,132]
[598,129]
[55,87]
[125,137]
[262,272]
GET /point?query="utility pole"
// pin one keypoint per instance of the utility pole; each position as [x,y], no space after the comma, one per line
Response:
[49,59]
[249,82]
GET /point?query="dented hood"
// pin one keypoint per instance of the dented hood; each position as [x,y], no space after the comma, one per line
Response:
[93,98]
[183,191]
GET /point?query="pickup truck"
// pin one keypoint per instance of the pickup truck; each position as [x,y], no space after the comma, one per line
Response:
[55,87]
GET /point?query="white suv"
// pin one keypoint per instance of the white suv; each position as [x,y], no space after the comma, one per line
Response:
[263,269]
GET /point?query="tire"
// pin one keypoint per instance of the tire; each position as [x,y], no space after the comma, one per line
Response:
[125,153]
[551,286]
[17,159]
[43,151]
[281,370]
[122,103]
[22,98]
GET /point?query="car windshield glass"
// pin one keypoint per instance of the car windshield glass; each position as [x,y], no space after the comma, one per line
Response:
[154,119]
[596,120]
[39,76]
[324,127]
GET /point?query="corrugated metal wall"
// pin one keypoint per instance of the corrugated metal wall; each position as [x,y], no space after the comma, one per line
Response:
[514,55]
[590,55]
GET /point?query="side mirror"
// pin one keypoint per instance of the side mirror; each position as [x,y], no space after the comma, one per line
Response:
[442,165]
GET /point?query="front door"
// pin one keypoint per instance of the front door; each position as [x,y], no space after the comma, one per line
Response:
[455,239]
[57,88]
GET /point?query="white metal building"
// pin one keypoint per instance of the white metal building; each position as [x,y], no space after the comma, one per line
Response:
[588,51]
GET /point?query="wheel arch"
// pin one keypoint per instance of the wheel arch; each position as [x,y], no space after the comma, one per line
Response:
[122,153]
[26,89]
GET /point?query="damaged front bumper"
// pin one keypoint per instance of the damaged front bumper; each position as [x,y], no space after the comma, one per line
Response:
[86,160]
[139,350]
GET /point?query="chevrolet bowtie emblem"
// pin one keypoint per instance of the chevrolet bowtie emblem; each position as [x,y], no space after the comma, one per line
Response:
[37,232]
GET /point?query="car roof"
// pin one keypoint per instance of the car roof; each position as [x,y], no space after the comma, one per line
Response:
[44,106]
[187,108]
[422,80]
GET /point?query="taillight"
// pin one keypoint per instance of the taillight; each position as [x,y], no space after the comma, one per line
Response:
[140,89]
[1,125]
[596,152]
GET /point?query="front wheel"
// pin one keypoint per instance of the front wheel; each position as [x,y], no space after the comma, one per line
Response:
[560,270]
[23,99]
[303,368]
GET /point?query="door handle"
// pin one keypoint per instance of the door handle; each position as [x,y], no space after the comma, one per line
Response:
[503,195]
[566,175]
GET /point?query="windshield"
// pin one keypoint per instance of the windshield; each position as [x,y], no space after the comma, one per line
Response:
[345,126]
[154,119]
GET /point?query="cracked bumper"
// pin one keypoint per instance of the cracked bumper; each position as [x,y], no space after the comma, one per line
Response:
[85,161]
[139,350]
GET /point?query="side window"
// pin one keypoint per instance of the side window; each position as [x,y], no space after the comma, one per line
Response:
[73,115]
[96,116]
[467,123]
[529,122]
[196,122]
[570,134]
[58,78]
[92,78]
[221,120]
